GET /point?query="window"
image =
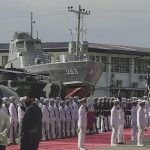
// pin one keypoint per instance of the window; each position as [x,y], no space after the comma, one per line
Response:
[20,45]
[97,59]
[135,84]
[120,64]
[38,45]
[119,82]
[141,65]
[104,61]
[4,60]
[92,57]
[30,45]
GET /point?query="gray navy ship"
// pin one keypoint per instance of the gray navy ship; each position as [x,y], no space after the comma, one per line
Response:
[70,74]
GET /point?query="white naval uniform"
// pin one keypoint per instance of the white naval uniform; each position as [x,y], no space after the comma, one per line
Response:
[146,113]
[13,122]
[82,125]
[46,122]
[57,121]
[75,117]
[134,128]
[52,121]
[20,117]
[68,119]
[114,121]
[62,120]
[121,125]
[72,119]
[4,126]
[141,122]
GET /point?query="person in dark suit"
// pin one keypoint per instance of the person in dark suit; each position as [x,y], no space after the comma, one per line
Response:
[31,132]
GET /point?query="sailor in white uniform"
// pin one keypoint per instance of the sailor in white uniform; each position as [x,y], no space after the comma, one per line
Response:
[68,118]
[21,112]
[146,112]
[5,105]
[46,119]
[62,118]
[114,121]
[75,116]
[82,124]
[134,128]
[4,127]
[53,118]
[41,101]
[57,121]
[121,123]
[141,122]
[13,120]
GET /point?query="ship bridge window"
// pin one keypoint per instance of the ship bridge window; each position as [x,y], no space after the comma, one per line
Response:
[30,45]
[20,45]
[38,45]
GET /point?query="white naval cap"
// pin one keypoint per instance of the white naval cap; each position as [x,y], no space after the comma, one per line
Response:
[42,98]
[116,101]
[58,98]
[4,98]
[22,99]
[82,100]
[76,97]
[46,100]
[142,102]
[12,98]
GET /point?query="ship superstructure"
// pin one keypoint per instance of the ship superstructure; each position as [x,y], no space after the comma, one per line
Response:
[74,72]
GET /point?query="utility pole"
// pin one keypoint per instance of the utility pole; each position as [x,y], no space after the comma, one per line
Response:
[32,21]
[78,13]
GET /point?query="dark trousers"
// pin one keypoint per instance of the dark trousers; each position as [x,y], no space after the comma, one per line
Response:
[2,147]
[28,144]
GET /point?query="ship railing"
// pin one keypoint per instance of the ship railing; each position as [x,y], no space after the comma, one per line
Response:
[77,58]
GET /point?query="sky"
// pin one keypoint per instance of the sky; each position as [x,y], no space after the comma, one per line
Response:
[121,22]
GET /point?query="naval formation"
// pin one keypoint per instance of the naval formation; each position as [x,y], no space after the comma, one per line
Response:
[72,117]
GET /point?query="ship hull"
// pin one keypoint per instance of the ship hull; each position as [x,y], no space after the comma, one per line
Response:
[70,73]
[66,79]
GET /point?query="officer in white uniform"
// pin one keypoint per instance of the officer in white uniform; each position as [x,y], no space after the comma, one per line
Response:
[53,118]
[141,122]
[114,121]
[21,112]
[82,124]
[46,119]
[121,123]
[134,128]
[13,120]
[68,118]
[62,118]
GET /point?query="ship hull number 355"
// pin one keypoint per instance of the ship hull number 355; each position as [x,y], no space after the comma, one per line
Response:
[72,71]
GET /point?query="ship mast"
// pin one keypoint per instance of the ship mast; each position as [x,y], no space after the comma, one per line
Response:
[78,13]
[32,21]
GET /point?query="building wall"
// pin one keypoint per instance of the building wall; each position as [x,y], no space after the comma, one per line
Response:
[132,82]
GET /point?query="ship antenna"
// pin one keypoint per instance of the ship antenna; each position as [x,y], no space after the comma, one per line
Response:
[78,13]
[37,36]
[32,21]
